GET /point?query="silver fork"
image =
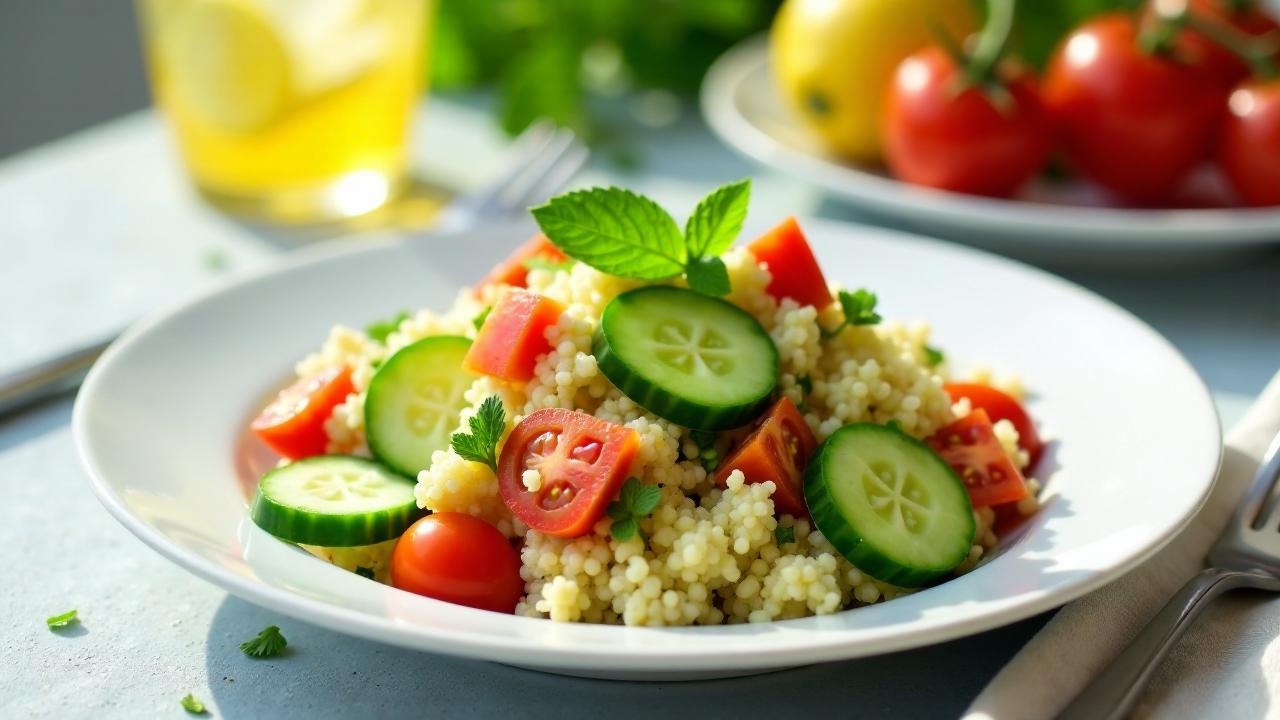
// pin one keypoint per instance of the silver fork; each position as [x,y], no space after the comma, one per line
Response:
[1246,555]
[539,162]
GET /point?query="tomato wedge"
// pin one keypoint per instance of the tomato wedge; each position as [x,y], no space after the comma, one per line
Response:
[513,336]
[293,424]
[796,274]
[512,271]
[970,447]
[779,450]
[1000,406]
[581,462]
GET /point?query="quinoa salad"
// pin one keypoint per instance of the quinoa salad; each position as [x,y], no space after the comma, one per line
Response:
[631,422]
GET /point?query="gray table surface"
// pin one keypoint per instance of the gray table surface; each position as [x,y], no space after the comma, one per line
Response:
[98,228]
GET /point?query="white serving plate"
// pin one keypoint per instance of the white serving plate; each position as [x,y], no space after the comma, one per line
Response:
[1069,222]
[161,416]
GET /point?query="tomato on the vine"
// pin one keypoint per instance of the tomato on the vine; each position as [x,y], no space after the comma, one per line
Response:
[940,133]
[1133,119]
[1249,151]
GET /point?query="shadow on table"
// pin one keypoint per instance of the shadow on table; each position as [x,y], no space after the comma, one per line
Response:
[325,674]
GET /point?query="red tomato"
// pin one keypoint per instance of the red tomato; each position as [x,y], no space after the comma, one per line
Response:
[458,558]
[293,424]
[1247,17]
[1249,153]
[582,462]
[960,141]
[1000,406]
[512,271]
[1132,121]
[779,450]
[970,447]
[796,274]
[513,336]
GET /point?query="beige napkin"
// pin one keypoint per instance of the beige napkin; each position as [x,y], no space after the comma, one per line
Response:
[1228,663]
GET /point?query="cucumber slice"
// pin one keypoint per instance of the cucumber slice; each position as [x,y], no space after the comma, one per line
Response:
[414,401]
[697,361]
[889,504]
[334,501]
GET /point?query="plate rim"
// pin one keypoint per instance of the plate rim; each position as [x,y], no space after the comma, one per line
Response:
[608,657]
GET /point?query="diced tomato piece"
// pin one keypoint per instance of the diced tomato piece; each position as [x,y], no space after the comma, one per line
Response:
[581,463]
[513,336]
[512,271]
[779,450]
[293,424]
[1000,406]
[970,447]
[796,274]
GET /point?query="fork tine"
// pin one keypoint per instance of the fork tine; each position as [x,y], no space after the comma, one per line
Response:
[540,167]
[1260,507]
[557,176]
[523,152]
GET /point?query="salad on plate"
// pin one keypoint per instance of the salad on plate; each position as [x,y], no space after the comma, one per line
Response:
[635,423]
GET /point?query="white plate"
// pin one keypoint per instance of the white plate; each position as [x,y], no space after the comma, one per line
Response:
[1053,222]
[160,418]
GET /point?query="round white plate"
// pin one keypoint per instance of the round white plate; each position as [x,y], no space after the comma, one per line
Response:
[1050,222]
[1136,446]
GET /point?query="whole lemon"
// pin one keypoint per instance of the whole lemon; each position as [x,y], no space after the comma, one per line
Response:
[833,59]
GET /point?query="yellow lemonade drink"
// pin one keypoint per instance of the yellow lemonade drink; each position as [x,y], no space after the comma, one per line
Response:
[289,110]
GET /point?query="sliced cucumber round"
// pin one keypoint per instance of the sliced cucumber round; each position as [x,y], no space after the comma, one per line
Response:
[697,361]
[414,402]
[889,504]
[334,501]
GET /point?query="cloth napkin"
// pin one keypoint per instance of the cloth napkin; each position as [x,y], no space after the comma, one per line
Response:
[1227,665]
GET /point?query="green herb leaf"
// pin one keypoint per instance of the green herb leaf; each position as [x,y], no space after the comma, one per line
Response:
[708,276]
[716,222]
[269,643]
[624,529]
[542,263]
[364,572]
[859,309]
[381,329]
[615,231]
[933,356]
[635,501]
[646,500]
[806,384]
[784,535]
[479,319]
[192,705]
[63,620]
[487,425]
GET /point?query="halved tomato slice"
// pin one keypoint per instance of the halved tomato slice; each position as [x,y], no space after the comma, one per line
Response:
[970,447]
[512,271]
[581,462]
[795,271]
[779,450]
[1000,406]
[513,336]
[293,424]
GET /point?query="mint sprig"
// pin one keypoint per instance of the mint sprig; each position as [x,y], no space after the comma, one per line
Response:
[859,308]
[634,503]
[623,233]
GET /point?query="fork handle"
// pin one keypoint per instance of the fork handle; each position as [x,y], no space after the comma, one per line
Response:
[1113,693]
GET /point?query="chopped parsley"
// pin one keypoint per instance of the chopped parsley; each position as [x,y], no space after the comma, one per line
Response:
[859,308]
[479,319]
[933,356]
[381,329]
[481,444]
[60,621]
[784,535]
[269,643]
[193,705]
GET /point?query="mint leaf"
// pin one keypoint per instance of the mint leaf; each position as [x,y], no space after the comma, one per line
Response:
[63,620]
[717,220]
[615,231]
[708,276]
[933,356]
[192,705]
[381,329]
[478,320]
[481,444]
[624,529]
[784,535]
[268,643]
[635,501]
[646,500]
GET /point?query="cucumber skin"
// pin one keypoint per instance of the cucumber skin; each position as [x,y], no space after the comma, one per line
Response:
[830,521]
[307,528]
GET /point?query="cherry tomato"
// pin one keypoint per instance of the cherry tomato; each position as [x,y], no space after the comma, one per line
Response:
[1000,406]
[970,447]
[779,450]
[293,424]
[512,271]
[1247,17]
[1135,122]
[1249,152]
[962,141]
[796,273]
[581,463]
[513,336]
[458,558]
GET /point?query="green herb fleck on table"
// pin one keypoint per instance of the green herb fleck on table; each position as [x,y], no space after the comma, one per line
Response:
[622,233]
[214,260]
[58,622]
[933,356]
[634,504]
[859,308]
[381,329]
[784,535]
[481,444]
[193,705]
[268,644]
[479,319]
